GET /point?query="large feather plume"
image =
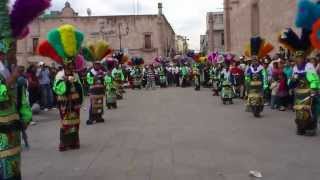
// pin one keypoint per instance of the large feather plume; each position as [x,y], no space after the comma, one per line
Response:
[66,41]
[137,61]
[55,41]
[24,12]
[256,43]
[307,14]
[45,49]
[258,47]
[96,51]
[87,54]
[315,36]
[290,40]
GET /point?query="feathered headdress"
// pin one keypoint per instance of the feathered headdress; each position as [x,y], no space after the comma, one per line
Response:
[14,26]
[96,51]
[121,57]
[109,63]
[137,61]
[63,44]
[290,40]
[213,57]
[308,14]
[258,47]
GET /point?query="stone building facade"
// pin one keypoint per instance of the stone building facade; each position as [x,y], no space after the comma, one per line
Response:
[247,18]
[204,44]
[215,32]
[181,44]
[138,35]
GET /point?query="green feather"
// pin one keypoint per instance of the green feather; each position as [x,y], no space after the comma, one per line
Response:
[80,38]
[5,28]
[87,54]
[55,41]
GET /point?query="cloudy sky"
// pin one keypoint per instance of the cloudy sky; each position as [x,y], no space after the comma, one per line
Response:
[187,17]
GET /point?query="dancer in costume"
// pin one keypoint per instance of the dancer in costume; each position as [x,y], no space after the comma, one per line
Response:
[63,46]
[184,73]
[196,76]
[226,87]
[111,90]
[162,76]
[138,73]
[214,78]
[305,80]
[306,86]
[95,52]
[15,111]
[257,50]
[118,77]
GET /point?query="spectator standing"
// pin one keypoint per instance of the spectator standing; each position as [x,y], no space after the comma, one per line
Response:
[43,75]
[176,71]
[150,78]
[33,84]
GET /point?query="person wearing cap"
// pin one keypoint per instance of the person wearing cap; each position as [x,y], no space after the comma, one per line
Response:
[306,85]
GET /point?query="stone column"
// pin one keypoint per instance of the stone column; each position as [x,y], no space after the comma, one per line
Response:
[227,30]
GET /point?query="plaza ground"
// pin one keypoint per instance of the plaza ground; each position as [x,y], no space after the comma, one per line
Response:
[174,134]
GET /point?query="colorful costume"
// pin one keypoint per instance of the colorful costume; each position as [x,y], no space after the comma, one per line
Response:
[184,73]
[162,77]
[196,77]
[111,90]
[95,52]
[306,86]
[257,49]
[63,46]
[118,77]
[95,79]
[139,77]
[226,88]
[15,111]
[214,79]
[136,74]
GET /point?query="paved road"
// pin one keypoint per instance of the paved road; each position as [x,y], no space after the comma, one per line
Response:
[174,134]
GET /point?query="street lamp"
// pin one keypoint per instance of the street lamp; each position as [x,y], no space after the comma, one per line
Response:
[185,44]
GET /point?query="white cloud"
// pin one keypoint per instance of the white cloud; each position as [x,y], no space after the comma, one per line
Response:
[187,17]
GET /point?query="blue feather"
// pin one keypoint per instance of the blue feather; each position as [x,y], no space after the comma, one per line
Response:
[307,14]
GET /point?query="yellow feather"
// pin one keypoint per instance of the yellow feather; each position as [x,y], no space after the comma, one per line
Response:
[98,49]
[101,48]
[68,39]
